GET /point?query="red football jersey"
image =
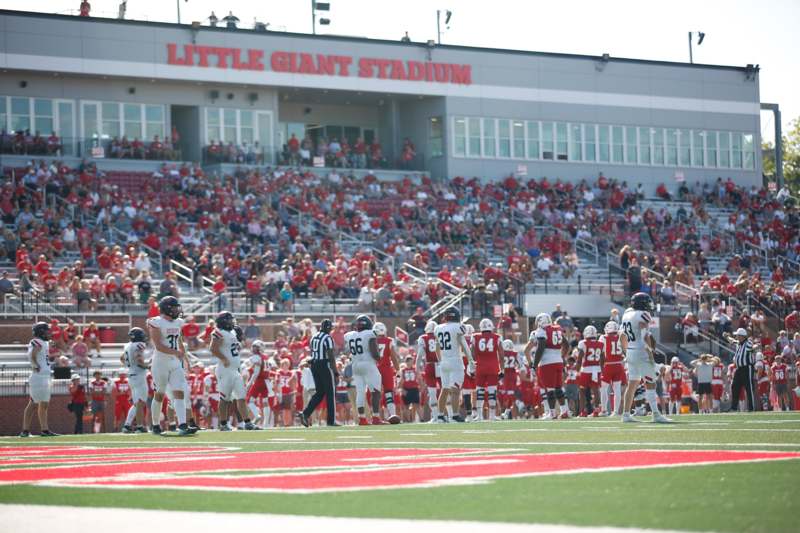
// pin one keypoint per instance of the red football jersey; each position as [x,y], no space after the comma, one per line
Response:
[779,373]
[284,377]
[486,346]
[554,337]
[510,360]
[98,390]
[384,351]
[408,378]
[593,349]
[716,374]
[429,343]
[122,389]
[676,377]
[613,348]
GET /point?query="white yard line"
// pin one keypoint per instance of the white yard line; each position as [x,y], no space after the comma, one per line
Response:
[58,519]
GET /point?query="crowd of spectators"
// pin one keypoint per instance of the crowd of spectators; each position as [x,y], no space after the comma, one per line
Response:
[23,142]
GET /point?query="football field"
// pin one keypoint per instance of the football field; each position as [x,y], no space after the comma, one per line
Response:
[729,472]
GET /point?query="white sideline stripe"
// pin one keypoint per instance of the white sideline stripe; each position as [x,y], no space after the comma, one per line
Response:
[62,519]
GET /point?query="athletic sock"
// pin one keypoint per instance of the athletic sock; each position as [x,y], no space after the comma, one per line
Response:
[253,408]
[131,415]
[392,409]
[617,386]
[604,397]
[449,411]
[650,396]
[434,412]
[180,410]
[155,411]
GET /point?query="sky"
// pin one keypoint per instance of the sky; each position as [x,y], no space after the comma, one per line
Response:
[738,32]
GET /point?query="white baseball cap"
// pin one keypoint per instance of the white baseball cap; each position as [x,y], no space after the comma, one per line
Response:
[741,332]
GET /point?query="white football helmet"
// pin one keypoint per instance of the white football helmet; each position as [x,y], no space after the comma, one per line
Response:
[674,361]
[257,347]
[469,329]
[543,320]
[430,326]
[589,332]
[486,325]
[508,345]
[611,327]
[379,329]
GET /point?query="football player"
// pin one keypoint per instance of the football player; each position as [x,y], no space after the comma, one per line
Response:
[551,349]
[675,376]
[429,366]
[39,382]
[778,373]
[590,362]
[133,359]
[488,362]
[468,385]
[225,346]
[509,375]
[613,373]
[717,383]
[363,347]
[167,368]
[640,361]
[259,384]
[451,341]
[388,366]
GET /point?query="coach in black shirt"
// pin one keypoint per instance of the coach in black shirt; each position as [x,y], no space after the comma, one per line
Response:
[744,359]
[323,368]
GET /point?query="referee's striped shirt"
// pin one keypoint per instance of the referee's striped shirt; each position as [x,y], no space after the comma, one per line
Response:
[744,354]
[320,344]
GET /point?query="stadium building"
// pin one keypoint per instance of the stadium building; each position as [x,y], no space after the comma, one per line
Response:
[469,111]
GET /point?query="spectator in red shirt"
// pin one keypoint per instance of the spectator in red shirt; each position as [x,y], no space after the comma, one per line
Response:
[152,310]
[792,322]
[85,8]
[253,290]
[77,403]
[191,331]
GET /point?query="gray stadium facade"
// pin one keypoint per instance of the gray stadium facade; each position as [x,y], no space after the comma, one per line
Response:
[470,111]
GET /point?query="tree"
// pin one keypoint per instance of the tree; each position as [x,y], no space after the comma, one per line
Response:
[791,157]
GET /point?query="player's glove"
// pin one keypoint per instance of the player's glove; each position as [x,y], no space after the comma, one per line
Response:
[471,369]
[500,375]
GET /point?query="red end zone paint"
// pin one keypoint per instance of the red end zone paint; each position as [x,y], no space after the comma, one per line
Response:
[341,470]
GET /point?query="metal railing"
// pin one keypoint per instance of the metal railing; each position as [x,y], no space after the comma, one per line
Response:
[156,259]
[182,272]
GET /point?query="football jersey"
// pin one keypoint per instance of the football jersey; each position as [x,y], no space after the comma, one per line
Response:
[122,389]
[98,389]
[170,332]
[613,348]
[592,350]
[716,374]
[553,336]
[510,360]
[447,336]
[357,343]
[408,378]
[779,373]
[486,345]
[129,353]
[385,345]
[426,344]
[229,348]
[42,358]
[211,386]
[675,377]
[634,325]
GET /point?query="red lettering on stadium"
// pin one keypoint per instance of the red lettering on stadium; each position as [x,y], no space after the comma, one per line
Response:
[299,471]
[190,55]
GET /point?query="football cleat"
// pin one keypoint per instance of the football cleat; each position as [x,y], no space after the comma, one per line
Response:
[394,419]
[564,415]
[303,419]
[249,426]
[184,431]
[376,421]
[627,417]
[458,418]
[547,416]
[583,414]
[25,433]
[141,429]
[48,433]
[362,421]
[442,420]
[127,429]
[658,418]
[225,427]
[156,430]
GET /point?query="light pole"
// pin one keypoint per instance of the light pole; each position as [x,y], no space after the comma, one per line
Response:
[447,15]
[700,37]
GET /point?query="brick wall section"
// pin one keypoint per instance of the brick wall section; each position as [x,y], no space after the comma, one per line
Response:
[60,419]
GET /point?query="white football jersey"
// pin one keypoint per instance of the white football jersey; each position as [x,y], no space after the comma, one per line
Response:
[170,332]
[129,353]
[42,357]
[229,347]
[357,342]
[634,326]
[447,336]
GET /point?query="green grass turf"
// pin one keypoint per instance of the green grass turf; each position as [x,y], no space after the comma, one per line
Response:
[727,497]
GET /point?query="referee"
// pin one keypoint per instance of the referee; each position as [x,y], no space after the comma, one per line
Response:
[745,362]
[323,368]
